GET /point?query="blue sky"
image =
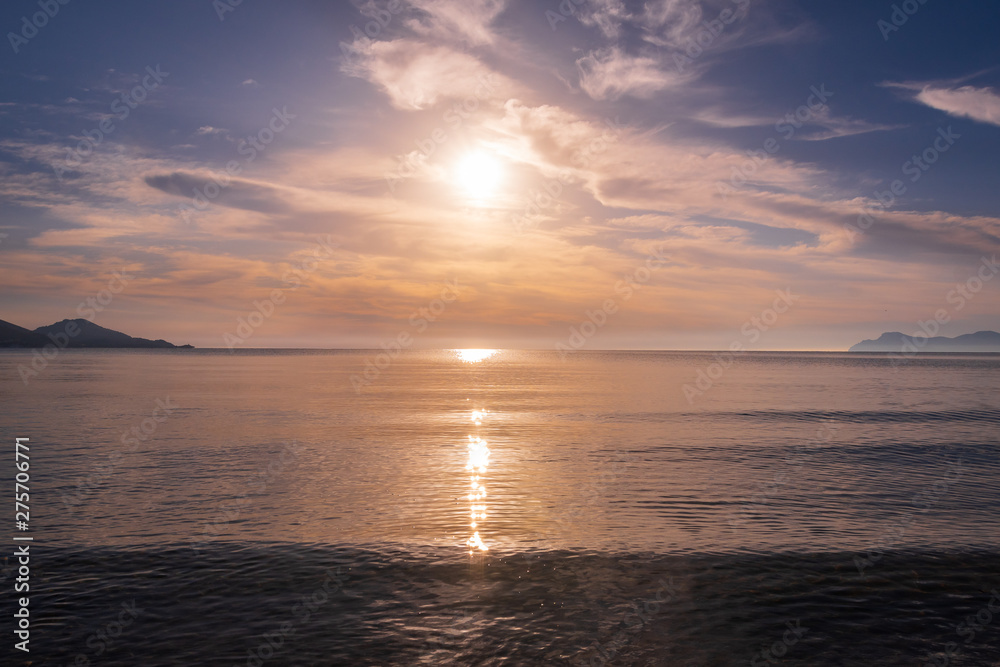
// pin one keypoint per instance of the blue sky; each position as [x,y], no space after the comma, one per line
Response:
[538,153]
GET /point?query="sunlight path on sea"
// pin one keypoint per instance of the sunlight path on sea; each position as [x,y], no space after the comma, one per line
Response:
[478,462]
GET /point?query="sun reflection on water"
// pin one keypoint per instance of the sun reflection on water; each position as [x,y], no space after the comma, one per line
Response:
[479,461]
[475,356]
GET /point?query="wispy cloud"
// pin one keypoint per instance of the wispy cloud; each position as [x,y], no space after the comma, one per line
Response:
[468,21]
[416,76]
[607,15]
[981,104]
[828,126]
[208,129]
[670,23]
[718,117]
[610,73]
[821,125]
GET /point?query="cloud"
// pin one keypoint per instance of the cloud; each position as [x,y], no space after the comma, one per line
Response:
[454,19]
[790,204]
[821,125]
[242,194]
[670,23]
[622,190]
[608,15]
[208,129]
[546,135]
[417,76]
[840,126]
[688,29]
[610,73]
[718,117]
[516,285]
[981,104]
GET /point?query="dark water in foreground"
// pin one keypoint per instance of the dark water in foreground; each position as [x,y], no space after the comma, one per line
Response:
[207,509]
[396,607]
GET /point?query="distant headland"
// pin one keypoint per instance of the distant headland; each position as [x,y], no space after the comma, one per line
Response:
[893,341]
[78,333]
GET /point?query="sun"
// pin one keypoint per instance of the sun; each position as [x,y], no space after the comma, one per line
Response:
[479,174]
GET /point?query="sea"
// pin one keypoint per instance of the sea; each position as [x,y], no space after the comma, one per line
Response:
[503,507]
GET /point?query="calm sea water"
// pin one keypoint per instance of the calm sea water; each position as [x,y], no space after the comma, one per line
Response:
[202,508]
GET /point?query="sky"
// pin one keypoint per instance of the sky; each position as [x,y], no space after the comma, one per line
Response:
[597,174]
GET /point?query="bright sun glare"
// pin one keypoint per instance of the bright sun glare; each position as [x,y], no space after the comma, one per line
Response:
[479,174]
[475,356]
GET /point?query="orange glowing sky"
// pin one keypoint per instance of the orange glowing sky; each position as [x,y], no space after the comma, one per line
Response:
[481,174]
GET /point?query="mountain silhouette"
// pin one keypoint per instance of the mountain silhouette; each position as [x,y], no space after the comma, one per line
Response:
[893,341]
[12,335]
[77,333]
